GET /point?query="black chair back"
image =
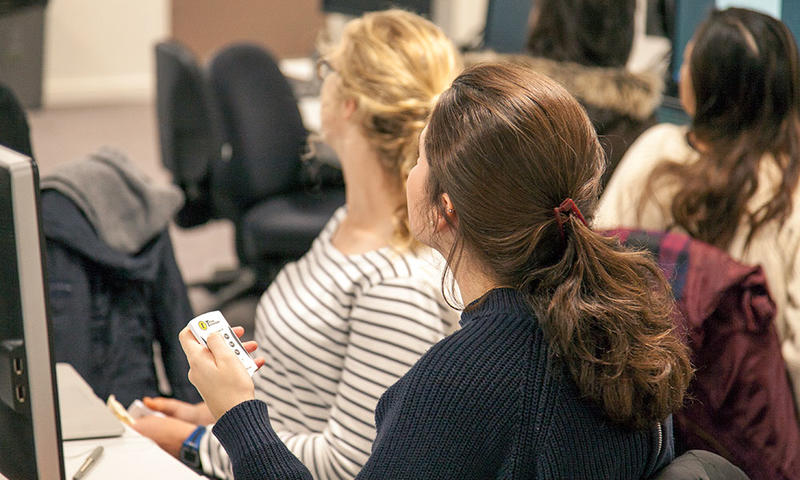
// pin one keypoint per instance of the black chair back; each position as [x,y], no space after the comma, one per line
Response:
[262,125]
[14,130]
[188,134]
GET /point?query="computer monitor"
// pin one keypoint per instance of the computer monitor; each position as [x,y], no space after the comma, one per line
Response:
[30,434]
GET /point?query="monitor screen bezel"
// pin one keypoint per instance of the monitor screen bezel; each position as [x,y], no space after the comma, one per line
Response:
[47,460]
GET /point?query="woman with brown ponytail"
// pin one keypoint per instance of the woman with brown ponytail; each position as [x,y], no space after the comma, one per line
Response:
[566,364]
[731,178]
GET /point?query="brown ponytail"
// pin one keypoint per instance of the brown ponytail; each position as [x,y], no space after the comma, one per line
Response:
[509,146]
[608,313]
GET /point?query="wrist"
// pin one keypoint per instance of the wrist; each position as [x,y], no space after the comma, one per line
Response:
[190,450]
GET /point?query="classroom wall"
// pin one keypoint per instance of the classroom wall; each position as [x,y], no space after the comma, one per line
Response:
[100,51]
[286,28]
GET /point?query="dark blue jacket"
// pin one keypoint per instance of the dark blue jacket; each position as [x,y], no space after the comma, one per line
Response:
[108,307]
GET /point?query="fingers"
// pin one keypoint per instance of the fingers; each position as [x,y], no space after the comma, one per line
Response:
[225,357]
[239,331]
[222,354]
[167,406]
[197,355]
[186,337]
[250,346]
[191,347]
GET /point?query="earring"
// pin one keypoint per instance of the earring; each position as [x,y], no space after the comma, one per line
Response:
[432,222]
[450,211]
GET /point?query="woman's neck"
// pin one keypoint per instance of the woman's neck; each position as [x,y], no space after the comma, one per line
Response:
[372,198]
[473,279]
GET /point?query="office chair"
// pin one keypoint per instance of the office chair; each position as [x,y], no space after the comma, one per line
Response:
[14,128]
[188,136]
[233,138]
[277,216]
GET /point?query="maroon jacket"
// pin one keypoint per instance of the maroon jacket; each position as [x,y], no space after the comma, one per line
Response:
[740,403]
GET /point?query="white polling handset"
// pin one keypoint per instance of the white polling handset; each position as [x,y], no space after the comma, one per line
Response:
[213,322]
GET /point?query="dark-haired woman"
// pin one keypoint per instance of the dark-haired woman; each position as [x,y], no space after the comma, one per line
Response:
[565,365]
[584,45]
[730,177]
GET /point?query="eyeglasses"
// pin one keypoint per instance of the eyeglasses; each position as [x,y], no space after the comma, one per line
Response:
[324,68]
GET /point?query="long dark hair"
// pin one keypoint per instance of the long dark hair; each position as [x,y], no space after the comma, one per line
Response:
[746,81]
[589,32]
[508,146]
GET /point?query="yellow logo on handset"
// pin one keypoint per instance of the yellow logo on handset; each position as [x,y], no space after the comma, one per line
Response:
[202,325]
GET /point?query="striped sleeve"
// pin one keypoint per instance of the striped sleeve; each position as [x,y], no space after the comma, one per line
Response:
[213,458]
[391,324]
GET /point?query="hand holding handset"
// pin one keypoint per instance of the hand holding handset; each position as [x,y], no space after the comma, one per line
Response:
[213,322]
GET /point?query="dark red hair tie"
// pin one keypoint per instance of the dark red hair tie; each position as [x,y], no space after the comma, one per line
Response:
[567,206]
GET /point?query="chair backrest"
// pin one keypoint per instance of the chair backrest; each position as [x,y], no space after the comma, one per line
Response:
[14,130]
[261,124]
[188,135]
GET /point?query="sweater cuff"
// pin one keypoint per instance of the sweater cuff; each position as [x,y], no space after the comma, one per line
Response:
[255,450]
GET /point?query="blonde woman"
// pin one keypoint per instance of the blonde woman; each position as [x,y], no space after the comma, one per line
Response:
[343,323]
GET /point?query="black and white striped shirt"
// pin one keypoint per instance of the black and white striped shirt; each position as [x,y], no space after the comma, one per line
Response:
[337,330]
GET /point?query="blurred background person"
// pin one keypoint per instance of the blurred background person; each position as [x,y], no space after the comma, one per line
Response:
[584,45]
[730,177]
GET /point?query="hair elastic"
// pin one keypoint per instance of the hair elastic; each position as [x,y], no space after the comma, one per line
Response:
[567,206]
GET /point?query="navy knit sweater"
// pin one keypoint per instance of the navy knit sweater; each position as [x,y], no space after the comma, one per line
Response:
[486,402]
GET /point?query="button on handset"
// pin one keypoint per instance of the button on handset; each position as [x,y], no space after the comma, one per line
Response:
[213,322]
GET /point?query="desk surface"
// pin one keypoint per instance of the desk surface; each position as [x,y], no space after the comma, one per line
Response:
[130,456]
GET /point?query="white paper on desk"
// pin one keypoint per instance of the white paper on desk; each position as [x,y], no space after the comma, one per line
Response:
[128,457]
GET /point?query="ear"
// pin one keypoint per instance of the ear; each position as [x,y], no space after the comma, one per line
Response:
[450,215]
[350,105]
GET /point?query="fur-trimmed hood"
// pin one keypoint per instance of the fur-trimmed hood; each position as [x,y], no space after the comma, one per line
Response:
[634,94]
